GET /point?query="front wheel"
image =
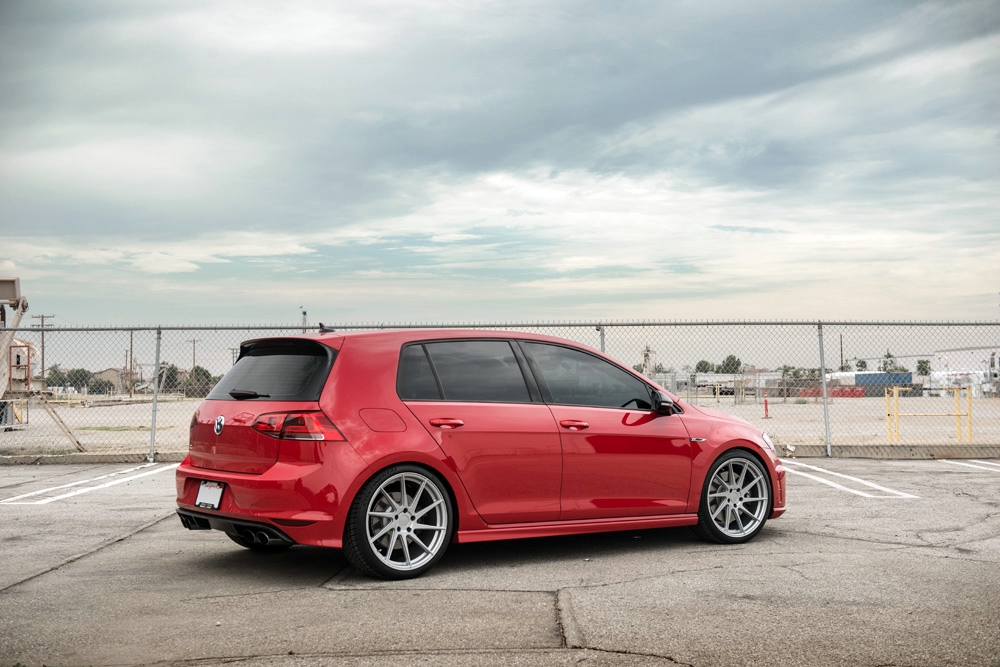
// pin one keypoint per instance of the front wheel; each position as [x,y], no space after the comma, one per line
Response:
[400,523]
[736,499]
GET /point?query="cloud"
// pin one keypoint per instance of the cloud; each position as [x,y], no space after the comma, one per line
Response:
[553,158]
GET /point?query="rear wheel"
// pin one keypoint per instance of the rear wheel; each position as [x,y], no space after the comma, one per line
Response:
[400,523]
[735,500]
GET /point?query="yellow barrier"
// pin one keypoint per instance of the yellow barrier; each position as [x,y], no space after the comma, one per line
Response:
[892,413]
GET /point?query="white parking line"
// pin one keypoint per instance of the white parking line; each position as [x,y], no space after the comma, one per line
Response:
[969,465]
[82,481]
[16,500]
[895,494]
[833,484]
[987,463]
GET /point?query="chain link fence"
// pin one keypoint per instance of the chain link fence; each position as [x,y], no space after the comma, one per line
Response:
[884,389]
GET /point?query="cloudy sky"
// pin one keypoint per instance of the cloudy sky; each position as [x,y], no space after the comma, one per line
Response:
[196,163]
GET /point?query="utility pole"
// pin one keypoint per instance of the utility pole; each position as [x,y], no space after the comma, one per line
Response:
[194,344]
[131,365]
[42,327]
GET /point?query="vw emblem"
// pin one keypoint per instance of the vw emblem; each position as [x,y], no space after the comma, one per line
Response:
[220,421]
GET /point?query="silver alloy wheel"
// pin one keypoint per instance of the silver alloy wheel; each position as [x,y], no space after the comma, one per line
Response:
[406,521]
[738,497]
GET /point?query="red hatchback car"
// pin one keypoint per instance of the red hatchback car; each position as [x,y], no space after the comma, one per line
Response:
[390,445]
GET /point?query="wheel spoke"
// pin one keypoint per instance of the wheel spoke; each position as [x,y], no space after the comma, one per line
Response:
[420,543]
[381,515]
[754,482]
[375,538]
[721,507]
[415,498]
[421,513]
[736,515]
[402,491]
[743,476]
[392,502]
[391,547]
[421,526]
[406,550]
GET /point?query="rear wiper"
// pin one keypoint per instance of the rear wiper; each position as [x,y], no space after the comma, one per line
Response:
[240,394]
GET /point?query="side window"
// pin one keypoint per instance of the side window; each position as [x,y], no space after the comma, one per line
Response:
[415,380]
[478,371]
[577,378]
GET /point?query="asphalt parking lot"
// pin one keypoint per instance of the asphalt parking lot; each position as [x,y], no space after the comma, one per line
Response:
[875,563]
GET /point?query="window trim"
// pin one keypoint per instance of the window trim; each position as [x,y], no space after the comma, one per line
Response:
[529,381]
[546,392]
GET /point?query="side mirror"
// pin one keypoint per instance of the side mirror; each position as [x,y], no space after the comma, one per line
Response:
[662,404]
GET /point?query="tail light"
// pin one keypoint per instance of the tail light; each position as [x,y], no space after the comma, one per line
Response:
[297,426]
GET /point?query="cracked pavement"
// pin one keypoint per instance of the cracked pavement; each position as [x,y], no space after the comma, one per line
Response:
[104,579]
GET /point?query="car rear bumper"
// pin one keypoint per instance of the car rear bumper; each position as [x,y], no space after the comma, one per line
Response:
[294,502]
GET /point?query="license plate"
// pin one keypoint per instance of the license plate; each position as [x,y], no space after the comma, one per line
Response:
[209,495]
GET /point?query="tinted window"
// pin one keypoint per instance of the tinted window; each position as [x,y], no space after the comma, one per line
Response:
[577,378]
[416,380]
[478,370]
[278,371]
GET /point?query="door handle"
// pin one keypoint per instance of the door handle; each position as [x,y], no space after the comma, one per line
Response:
[574,424]
[446,422]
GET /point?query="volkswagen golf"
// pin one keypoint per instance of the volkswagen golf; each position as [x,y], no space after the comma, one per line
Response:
[391,445]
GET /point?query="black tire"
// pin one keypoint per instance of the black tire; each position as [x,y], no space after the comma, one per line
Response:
[400,523]
[259,548]
[736,499]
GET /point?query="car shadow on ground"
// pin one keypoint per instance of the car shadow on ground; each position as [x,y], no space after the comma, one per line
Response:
[312,566]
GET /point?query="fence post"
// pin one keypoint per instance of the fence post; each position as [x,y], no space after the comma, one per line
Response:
[600,327]
[156,392]
[826,402]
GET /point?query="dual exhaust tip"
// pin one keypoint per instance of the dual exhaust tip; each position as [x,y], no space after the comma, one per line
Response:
[257,537]
[242,532]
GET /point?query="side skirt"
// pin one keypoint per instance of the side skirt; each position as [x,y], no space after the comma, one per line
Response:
[553,528]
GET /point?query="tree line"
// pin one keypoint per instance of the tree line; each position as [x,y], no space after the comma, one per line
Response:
[197,384]
[732,365]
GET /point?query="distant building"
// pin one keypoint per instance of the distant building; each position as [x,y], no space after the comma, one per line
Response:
[116,376]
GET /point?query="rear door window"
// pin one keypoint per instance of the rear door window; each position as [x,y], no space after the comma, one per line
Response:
[484,371]
[416,378]
[574,377]
[277,370]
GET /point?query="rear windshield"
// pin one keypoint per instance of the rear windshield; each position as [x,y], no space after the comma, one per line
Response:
[277,370]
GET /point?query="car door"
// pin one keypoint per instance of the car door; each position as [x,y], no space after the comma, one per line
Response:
[619,458]
[488,418]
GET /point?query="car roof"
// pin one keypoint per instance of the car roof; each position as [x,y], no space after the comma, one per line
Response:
[402,336]
[336,339]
